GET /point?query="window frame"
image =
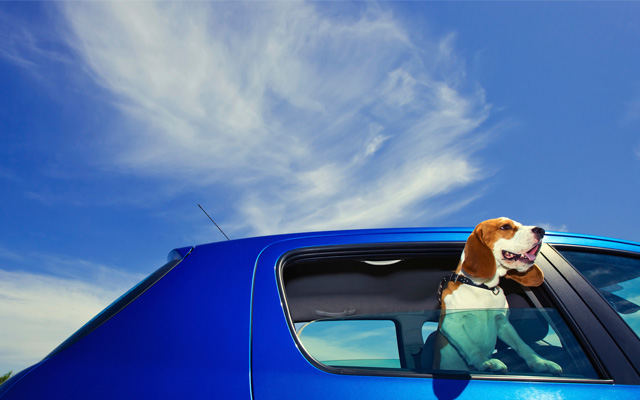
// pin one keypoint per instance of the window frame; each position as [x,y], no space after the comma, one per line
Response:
[397,250]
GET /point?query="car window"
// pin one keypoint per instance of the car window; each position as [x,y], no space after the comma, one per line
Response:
[353,343]
[374,343]
[381,315]
[616,276]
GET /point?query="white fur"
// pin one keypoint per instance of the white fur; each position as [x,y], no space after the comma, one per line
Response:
[473,318]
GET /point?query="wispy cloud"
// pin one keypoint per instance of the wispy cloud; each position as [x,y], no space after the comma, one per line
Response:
[30,45]
[311,119]
[553,227]
[70,268]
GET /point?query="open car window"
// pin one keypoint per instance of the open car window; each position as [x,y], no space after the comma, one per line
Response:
[377,312]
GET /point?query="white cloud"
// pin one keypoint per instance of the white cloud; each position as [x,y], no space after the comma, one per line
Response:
[553,227]
[69,268]
[309,115]
[28,44]
[312,119]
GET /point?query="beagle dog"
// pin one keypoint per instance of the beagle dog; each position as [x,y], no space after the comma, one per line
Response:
[474,308]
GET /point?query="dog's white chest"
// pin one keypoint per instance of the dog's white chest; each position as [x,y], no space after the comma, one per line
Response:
[471,321]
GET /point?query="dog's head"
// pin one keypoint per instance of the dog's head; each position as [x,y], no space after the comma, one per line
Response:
[504,243]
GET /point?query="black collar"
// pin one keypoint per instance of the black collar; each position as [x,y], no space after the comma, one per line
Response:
[453,277]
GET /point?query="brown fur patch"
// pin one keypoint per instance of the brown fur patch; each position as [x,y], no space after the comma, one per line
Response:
[491,231]
[479,261]
[533,277]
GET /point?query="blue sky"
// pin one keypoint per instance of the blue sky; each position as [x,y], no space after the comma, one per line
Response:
[117,119]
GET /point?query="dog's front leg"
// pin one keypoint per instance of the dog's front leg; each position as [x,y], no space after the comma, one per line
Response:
[507,333]
[459,331]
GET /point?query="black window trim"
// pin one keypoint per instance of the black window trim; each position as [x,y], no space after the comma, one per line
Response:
[398,250]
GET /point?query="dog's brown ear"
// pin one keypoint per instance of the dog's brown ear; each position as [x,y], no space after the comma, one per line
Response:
[479,261]
[532,277]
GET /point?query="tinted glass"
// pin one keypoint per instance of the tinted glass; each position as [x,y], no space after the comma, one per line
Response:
[376,342]
[617,277]
[355,343]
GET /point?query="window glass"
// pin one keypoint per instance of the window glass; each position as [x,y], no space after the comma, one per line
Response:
[371,343]
[352,315]
[354,343]
[616,277]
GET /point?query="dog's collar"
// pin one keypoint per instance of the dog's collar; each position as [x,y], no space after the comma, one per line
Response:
[453,277]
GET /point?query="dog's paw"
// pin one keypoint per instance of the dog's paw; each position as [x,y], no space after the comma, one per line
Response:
[539,364]
[494,365]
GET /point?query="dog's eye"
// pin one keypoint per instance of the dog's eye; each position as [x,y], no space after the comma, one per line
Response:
[506,227]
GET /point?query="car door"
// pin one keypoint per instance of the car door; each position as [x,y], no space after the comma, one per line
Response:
[285,366]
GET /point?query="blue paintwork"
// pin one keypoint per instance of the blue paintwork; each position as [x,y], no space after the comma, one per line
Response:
[214,327]
[593,241]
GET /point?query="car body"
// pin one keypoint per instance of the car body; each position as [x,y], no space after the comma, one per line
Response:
[272,318]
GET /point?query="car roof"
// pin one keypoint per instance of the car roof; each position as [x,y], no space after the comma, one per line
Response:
[452,234]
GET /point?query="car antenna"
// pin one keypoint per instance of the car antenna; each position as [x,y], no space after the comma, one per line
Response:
[214,222]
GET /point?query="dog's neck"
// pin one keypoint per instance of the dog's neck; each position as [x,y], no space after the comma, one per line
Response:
[491,282]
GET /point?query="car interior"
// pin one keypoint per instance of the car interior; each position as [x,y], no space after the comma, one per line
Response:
[401,285]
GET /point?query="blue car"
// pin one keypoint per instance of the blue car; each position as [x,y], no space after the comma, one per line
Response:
[347,315]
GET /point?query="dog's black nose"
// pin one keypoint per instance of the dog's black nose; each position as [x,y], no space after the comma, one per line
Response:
[538,231]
